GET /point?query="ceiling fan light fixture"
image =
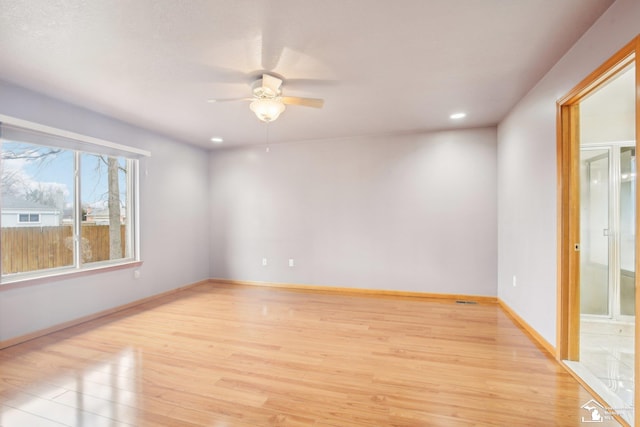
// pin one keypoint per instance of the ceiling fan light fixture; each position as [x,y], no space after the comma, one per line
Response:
[267,109]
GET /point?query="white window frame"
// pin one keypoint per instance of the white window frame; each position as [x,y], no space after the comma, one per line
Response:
[83,144]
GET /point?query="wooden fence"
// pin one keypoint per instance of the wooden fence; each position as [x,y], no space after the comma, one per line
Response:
[36,248]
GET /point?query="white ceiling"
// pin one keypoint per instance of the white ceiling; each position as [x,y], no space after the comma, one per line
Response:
[382,66]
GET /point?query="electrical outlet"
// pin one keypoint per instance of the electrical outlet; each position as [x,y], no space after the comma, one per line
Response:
[291,263]
[264,262]
[514,280]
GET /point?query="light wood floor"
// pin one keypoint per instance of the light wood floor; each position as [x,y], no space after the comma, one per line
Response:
[228,355]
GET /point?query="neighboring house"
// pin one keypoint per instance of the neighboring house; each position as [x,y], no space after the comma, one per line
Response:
[18,212]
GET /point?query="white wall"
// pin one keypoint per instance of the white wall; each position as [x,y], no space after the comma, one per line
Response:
[174,222]
[527,168]
[413,213]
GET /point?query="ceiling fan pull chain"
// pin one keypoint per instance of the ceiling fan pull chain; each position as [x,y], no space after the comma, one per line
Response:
[268,126]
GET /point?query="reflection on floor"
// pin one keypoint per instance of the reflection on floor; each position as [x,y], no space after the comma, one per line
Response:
[607,360]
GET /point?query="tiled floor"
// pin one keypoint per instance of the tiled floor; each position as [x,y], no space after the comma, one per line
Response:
[607,355]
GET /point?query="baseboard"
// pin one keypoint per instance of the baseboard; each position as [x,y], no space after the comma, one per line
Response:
[538,339]
[361,291]
[55,328]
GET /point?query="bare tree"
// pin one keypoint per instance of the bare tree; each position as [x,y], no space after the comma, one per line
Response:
[12,182]
[33,153]
[115,241]
[46,195]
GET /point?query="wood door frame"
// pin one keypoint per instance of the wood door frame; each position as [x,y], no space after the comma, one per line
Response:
[568,156]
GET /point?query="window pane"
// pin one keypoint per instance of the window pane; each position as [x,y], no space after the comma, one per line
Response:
[37,207]
[105,227]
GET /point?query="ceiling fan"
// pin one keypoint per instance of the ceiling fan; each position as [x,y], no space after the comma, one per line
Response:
[267,101]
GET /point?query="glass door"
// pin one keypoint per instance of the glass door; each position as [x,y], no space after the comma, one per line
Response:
[595,284]
[607,227]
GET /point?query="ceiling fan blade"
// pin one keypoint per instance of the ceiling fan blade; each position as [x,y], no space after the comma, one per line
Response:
[305,102]
[271,83]
[271,37]
[213,101]
[204,73]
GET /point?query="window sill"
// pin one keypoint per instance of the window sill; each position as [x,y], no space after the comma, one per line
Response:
[12,283]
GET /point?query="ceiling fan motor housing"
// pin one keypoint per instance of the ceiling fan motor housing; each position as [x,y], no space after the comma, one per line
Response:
[262,89]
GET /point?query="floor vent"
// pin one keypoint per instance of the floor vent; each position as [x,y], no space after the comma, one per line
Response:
[460,301]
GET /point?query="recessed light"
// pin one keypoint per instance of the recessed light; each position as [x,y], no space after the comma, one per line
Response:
[217,140]
[458,116]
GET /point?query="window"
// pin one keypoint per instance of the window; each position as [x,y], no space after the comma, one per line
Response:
[28,217]
[68,204]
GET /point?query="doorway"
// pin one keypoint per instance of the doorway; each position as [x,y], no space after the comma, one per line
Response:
[597,231]
[607,238]
[607,271]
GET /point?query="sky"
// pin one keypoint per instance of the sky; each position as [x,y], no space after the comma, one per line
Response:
[54,172]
